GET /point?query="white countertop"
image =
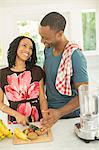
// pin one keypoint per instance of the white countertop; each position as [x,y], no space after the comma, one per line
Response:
[63,138]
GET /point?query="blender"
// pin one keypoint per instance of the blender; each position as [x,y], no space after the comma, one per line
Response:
[88,127]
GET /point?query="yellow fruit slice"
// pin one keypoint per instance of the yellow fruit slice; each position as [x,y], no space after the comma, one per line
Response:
[32,136]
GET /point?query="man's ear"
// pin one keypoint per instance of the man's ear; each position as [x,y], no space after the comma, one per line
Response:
[60,34]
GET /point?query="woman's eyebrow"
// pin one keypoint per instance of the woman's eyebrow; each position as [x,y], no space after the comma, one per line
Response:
[27,44]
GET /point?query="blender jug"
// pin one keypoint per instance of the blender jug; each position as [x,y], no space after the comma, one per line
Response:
[89,106]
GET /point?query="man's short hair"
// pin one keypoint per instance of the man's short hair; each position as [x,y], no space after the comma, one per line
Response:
[54,20]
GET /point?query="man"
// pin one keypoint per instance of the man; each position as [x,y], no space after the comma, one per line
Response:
[65,68]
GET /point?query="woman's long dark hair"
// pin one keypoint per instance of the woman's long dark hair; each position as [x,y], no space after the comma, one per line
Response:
[12,52]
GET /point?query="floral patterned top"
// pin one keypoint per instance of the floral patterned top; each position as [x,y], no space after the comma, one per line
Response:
[22,91]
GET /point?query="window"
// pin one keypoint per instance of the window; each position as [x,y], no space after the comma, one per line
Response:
[89,31]
[30,29]
[1,53]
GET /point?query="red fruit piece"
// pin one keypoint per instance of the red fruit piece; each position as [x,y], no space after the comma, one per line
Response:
[31,130]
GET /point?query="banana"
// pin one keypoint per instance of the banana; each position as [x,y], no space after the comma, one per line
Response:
[10,135]
[1,136]
[4,129]
[20,134]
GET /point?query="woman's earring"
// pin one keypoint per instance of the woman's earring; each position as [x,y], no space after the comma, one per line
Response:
[29,59]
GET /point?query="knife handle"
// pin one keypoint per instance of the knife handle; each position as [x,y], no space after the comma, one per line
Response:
[27,123]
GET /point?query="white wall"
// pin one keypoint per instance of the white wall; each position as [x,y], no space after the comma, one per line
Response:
[13,10]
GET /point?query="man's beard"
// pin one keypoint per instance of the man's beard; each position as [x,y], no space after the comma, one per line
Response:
[53,45]
[50,45]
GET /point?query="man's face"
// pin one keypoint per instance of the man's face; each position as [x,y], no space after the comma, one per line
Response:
[49,37]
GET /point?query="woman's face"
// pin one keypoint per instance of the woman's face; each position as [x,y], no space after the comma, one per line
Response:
[24,50]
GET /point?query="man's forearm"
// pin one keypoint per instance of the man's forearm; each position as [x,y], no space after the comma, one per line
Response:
[69,107]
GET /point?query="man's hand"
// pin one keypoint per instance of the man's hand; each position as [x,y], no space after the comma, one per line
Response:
[52,117]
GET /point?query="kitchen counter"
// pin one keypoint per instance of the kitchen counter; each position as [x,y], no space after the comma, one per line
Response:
[63,138]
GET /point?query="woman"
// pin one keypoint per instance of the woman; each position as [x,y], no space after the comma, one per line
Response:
[22,82]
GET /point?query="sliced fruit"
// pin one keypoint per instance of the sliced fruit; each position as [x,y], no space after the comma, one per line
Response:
[26,131]
[32,136]
[38,131]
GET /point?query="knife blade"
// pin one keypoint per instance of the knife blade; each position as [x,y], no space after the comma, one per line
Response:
[34,127]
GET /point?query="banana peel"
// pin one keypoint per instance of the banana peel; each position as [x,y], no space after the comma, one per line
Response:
[19,134]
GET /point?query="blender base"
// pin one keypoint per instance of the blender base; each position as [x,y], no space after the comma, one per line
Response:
[86,135]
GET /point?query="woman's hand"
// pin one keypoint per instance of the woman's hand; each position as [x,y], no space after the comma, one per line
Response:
[21,119]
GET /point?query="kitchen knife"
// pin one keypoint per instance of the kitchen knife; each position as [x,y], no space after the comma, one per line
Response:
[32,126]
